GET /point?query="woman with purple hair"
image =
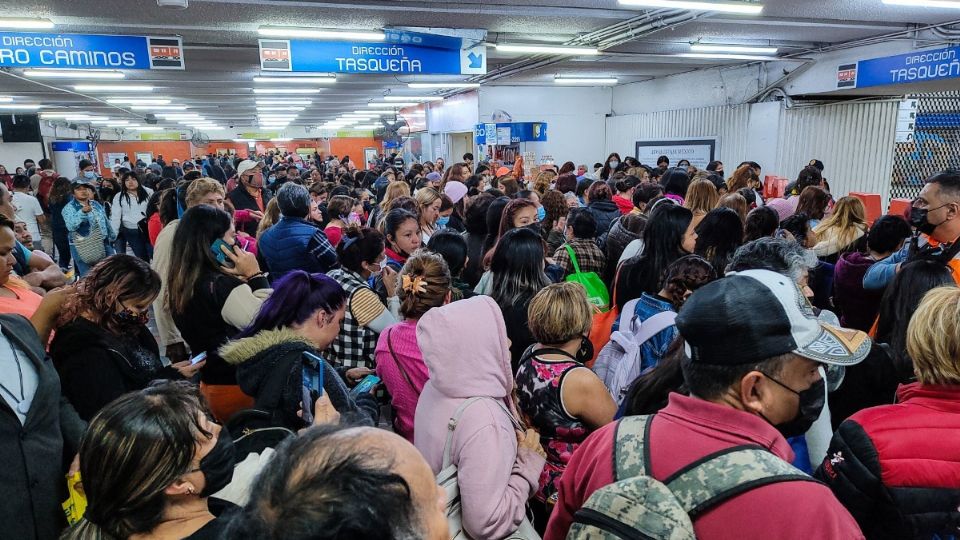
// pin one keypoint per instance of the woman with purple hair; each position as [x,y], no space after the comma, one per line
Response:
[279,356]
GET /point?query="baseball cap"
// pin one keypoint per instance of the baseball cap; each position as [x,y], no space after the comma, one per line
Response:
[503,171]
[751,316]
[246,165]
[782,207]
[188,165]
[455,190]
[82,181]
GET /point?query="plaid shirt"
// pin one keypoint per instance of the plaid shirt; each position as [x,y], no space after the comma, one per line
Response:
[356,344]
[589,257]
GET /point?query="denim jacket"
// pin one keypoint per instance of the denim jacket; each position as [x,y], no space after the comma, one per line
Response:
[78,222]
[653,351]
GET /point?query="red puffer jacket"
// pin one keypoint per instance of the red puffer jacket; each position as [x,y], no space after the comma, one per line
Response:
[897,467]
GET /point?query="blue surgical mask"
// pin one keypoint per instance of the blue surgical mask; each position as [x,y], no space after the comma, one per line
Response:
[541,213]
[442,221]
[90,174]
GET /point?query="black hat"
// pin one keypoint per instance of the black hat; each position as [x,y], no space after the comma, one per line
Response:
[751,316]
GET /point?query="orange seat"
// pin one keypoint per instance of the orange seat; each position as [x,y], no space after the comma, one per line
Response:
[899,207]
[871,201]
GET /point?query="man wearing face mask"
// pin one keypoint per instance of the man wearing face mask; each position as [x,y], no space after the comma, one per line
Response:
[754,364]
[250,194]
[935,215]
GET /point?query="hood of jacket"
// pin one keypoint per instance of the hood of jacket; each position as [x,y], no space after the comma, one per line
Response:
[853,265]
[79,334]
[465,347]
[240,351]
[620,235]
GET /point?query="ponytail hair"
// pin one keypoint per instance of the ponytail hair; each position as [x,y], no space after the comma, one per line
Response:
[424,283]
[359,245]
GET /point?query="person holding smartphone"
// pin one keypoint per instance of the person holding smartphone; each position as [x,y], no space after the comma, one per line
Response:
[279,356]
[214,289]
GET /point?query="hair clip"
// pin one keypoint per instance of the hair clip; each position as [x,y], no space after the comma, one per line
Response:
[347,241]
[414,285]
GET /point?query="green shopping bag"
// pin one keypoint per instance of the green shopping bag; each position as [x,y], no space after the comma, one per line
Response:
[597,293]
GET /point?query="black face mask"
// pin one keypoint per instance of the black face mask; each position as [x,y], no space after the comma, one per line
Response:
[535,227]
[217,466]
[585,352]
[919,220]
[811,404]
[130,319]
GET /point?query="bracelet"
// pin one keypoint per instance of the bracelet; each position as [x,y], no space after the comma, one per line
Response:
[258,274]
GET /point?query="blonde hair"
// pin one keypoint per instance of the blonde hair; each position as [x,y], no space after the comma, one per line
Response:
[558,313]
[702,197]
[736,202]
[394,191]
[639,172]
[200,188]
[542,184]
[933,337]
[424,283]
[425,197]
[849,216]
[271,215]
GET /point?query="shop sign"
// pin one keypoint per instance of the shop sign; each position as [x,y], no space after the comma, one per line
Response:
[89,51]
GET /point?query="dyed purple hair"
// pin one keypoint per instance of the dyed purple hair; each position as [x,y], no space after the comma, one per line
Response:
[296,296]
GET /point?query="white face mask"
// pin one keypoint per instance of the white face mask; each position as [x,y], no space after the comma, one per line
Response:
[614,164]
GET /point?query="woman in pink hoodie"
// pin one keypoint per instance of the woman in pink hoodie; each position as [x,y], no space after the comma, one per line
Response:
[465,347]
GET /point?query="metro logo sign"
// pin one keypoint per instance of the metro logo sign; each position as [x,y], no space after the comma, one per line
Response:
[847,76]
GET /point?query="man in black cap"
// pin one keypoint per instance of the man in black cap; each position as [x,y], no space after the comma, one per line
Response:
[755,360]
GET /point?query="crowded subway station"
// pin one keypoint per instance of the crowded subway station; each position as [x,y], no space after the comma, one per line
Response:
[479,270]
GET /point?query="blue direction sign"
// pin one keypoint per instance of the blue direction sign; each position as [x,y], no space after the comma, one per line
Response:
[346,57]
[920,66]
[88,51]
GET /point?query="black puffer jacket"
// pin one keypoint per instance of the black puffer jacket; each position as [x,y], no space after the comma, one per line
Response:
[270,369]
[605,213]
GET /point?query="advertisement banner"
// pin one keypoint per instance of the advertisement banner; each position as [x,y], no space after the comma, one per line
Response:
[346,57]
[920,66]
[699,152]
[89,51]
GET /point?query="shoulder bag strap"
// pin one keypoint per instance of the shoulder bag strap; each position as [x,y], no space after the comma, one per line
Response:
[573,259]
[397,361]
[632,447]
[728,473]
[451,426]
[654,325]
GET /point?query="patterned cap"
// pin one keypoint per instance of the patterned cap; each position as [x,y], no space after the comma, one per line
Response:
[751,316]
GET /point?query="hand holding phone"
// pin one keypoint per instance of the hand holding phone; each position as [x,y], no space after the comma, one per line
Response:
[365,386]
[217,249]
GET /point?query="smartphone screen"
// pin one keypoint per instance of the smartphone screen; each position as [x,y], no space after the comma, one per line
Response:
[198,358]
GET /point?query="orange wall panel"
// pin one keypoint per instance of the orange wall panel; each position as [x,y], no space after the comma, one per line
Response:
[169,149]
[353,147]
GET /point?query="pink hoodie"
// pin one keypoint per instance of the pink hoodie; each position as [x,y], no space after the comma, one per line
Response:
[465,347]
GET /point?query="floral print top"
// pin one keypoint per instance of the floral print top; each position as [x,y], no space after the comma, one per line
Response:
[538,391]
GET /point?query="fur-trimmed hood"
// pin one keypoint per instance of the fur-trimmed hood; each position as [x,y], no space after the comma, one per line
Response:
[238,351]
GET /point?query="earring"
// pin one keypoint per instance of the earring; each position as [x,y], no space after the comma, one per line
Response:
[190,490]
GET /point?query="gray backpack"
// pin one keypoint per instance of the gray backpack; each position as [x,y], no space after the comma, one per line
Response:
[637,506]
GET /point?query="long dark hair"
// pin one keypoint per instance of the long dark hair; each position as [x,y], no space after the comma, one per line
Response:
[650,392]
[116,279]
[675,181]
[135,447]
[517,266]
[761,222]
[718,237]
[198,229]
[296,296]
[359,245]
[900,300]
[663,244]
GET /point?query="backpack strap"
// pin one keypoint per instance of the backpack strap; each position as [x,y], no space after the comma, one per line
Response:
[573,258]
[654,325]
[717,477]
[628,312]
[632,447]
[455,419]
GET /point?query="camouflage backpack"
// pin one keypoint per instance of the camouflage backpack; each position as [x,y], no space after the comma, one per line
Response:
[637,506]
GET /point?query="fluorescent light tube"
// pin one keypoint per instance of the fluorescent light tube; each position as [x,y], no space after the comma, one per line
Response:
[367,126]
[719,56]
[324,79]
[158,107]
[286,90]
[586,80]
[946,4]
[746,8]
[444,85]
[25,24]
[281,139]
[112,88]
[412,98]
[742,49]
[74,73]
[378,113]
[138,101]
[244,140]
[5,99]
[149,128]
[546,49]
[283,101]
[20,106]
[391,105]
[320,33]
[281,108]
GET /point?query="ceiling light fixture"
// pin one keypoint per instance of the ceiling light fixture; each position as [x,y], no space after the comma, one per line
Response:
[745,8]
[367,126]
[5,99]
[74,73]
[413,98]
[147,128]
[391,105]
[111,122]
[138,101]
[946,4]
[245,140]
[283,101]
[321,33]
[444,85]
[281,108]
[20,106]
[26,24]
[718,56]
[286,90]
[596,81]
[546,49]
[280,139]
[158,107]
[739,49]
[112,88]
[317,79]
